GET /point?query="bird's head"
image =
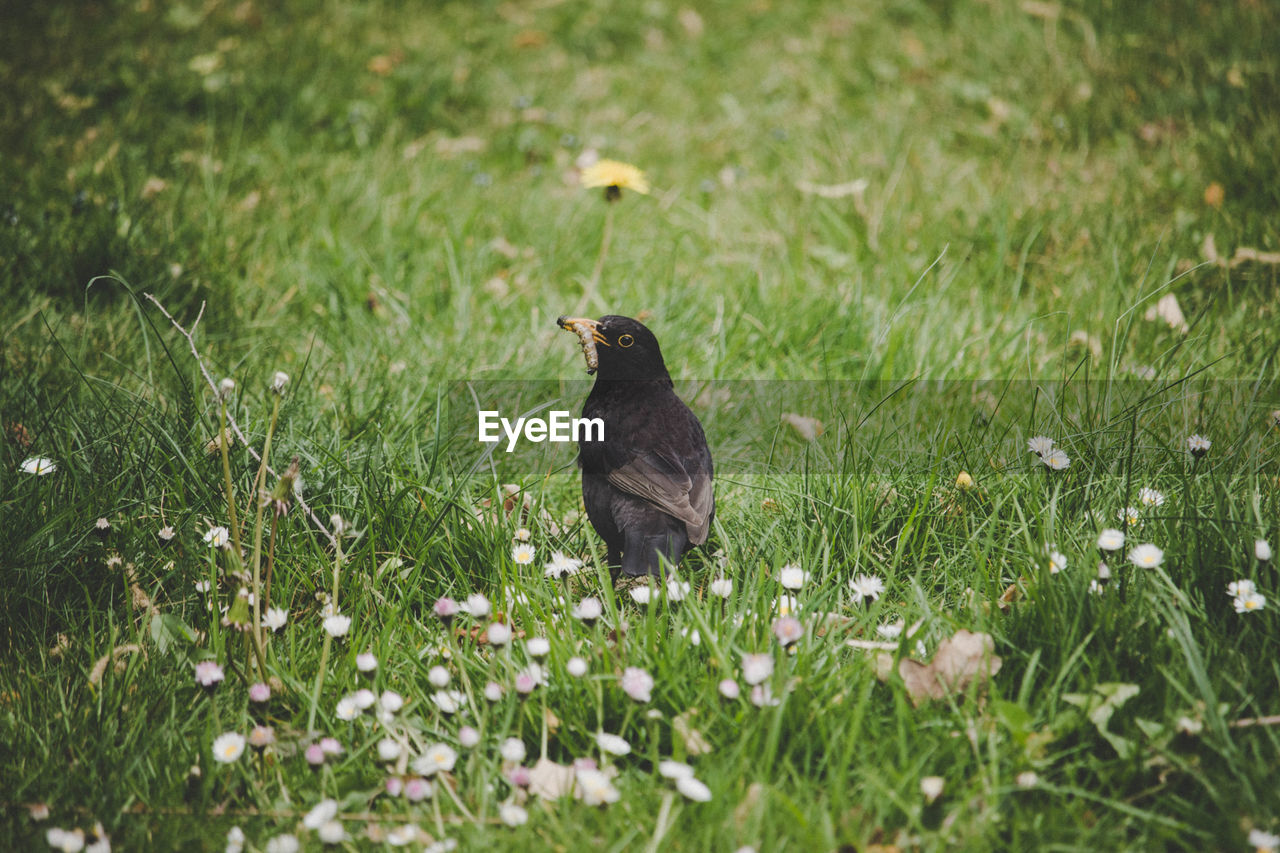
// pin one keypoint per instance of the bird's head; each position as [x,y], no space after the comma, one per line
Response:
[617,347]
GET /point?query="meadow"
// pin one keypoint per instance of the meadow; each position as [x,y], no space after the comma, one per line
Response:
[977,302]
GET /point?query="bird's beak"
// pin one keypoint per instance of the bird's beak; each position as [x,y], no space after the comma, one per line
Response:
[572,324]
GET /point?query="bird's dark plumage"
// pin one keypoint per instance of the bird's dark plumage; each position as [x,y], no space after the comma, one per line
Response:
[647,485]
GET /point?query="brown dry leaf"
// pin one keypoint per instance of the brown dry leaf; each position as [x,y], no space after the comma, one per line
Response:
[750,804]
[849,188]
[808,428]
[1011,594]
[116,654]
[1167,309]
[448,146]
[1214,195]
[694,742]
[1244,254]
[549,780]
[691,21]
[961,660]
[552,721]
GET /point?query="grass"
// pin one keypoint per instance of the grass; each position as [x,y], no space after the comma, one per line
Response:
[380,200]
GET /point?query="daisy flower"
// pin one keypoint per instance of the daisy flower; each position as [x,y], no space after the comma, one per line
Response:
[931,787]
[438,676]
[445,609]
[1262,550]
[1040,445]
[756,667]
[729,688]
[275,618]
[522,534]
[337,625]
[788,630]
[522,553]
[38,465]
[208,673]
[1150,497]
[1198,445]
[612,744]
[561,566]
[1057,561]
[390,701]
[283,844]
[468,737]
[513,750]
[1264,842]
[228,747]
[785,605]
[615,177]
[891,630]
[477,605]
[677,589]
[722,587]
[1238,589]
[577,667]
[449,701]
[792,576]
[498,634]
[594,788]
[538,647]
[438,758]
[1056,459]
[513,815]
[637,683]
[1111,539]
[866,587]
[588,609]
[693,789]
[1146,556]
[641,594]
[366,662]
[218,537]
[346,709]
[1249,603]
[669,769]
[1129,515]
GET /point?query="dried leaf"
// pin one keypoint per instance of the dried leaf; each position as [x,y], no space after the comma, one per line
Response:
[849,188]
[100,668]
[694,742]
[549,780]
[1167,309]
[808,428]
[961,660]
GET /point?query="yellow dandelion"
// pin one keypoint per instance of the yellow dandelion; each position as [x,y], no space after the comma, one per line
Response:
[615,177]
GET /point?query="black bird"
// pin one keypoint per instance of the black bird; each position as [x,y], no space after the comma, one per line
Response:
[647,484]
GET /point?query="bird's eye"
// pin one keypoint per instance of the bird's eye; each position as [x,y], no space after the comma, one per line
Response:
[626,341]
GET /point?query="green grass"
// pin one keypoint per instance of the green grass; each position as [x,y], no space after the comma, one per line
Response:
[380,199]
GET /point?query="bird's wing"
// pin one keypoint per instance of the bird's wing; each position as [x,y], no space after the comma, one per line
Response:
[665,483]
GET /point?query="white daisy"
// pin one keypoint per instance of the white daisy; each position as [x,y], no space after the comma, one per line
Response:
[1146,556]
[337,625]
[522,553]
[513,815]
[1149,497]
[756,667]
[792,576]
[641,594]
[228,747]
[38,465]
[275,618]
[1040,444]
[866,587]
[1129,515]
[438,758]
[1249,603]
[1056,459]
[1262,550]
[1238,589]
[722,587]
[612,744]
[562,565]
[677,589]
[693,789]
[594,788]
[576,666]
[669,769]
[513,750]
[1111,539]
[218,537]
[1198,445]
